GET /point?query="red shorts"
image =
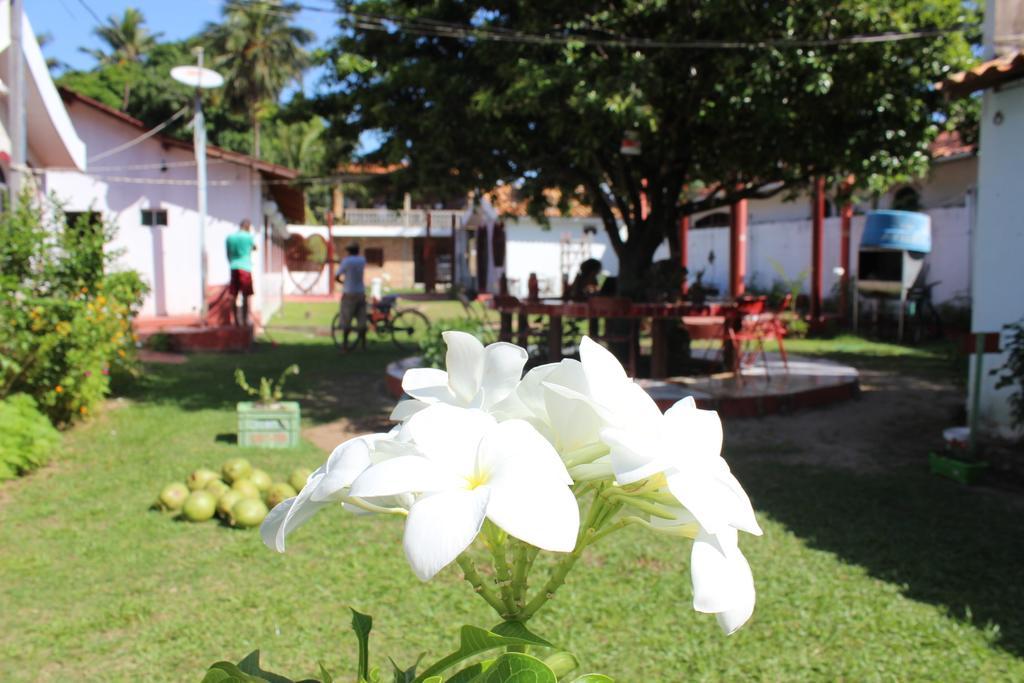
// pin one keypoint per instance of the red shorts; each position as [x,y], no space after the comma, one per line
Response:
[241,281]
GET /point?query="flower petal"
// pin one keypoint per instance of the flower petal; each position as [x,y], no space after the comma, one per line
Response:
[346,462]
[290,514]
[404,474]
[516,449]
[635,453]
[449,435]
[465,364]
[503,368]
[707,499]
[545,515]
[574,422]
[722,581]
[700,431]
[429,385]
[440,527]
[406,408]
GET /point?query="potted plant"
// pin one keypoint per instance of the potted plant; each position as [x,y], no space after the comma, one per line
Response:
[268,422]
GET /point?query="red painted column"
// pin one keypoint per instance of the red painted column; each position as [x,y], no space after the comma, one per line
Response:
[817,239]
[330,252]
[845,216]
[684,247]
[429,270]
[738,248]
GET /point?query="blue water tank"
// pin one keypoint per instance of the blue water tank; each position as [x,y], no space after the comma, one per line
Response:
[898,230]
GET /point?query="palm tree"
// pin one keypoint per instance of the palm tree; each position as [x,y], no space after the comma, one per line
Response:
[52,63]
[127,39]
[258,50]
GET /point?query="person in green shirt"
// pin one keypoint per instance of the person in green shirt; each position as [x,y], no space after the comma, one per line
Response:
[240,245]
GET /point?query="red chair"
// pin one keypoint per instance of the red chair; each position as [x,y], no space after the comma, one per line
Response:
[750,333]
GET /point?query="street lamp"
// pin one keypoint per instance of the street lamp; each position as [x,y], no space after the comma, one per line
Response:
[197,77]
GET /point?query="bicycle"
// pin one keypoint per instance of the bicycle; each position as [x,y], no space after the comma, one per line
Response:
[405,326]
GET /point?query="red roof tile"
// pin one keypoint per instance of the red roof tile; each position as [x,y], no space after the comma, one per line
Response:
[988,74]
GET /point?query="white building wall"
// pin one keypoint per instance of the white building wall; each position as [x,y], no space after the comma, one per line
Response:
[121,185]
[998,240]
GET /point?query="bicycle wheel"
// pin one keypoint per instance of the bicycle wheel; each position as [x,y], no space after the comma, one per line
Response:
[408,327]
[337,334]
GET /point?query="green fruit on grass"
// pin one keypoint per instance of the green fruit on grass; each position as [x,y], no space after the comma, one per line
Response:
[200,478]
[200,506]
[298,477]
[261,479]
[173,496]
[246,488]
[226,502]
[278,493]
[217,487]
[236,468]
[248,512]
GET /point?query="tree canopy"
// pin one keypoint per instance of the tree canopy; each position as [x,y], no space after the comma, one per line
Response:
[542,94]
[258,49]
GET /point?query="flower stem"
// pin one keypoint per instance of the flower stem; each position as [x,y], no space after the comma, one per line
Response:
[558,574]
[370,507]
[637,503]
[503,574]
[471,575]
[587,454]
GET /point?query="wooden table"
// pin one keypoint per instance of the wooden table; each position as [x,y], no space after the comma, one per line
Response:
[659,314]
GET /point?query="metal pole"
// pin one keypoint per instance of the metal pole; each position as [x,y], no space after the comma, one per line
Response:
[979,364]
[16,102]
[199,140]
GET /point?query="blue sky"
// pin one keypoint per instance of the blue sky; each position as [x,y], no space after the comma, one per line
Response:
[71,24]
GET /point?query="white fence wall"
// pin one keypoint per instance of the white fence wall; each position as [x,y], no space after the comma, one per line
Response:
[532,249]
[788,244]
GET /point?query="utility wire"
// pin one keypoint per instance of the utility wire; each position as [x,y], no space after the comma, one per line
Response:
[436,28]
[145,136]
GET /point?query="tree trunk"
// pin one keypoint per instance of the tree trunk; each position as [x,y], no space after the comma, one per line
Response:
[255,132]
[124,96]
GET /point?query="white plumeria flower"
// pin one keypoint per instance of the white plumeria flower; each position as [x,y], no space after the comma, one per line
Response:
[468,468]
[573,400]
[722,582]
[476,376]
[328,485]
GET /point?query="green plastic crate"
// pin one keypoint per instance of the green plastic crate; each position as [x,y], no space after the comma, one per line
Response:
[963,471]
[268,426]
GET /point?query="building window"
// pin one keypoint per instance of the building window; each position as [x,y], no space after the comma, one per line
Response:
[154,217]
[375,256]
[719,219]
[83,219]
[906,199]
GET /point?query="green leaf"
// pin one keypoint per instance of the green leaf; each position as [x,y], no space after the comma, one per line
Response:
[226,672]
[471,673]
[593,678]
[361,624]
[406,675]
[517,629]
[325,677]
[515,667]
[250,665]
[474,641]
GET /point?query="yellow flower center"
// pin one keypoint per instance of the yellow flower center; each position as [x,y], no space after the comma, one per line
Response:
[477,479]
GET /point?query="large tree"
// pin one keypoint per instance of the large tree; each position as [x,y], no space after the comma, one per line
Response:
[728,100]
[259,50]
[155,96]
[127,41]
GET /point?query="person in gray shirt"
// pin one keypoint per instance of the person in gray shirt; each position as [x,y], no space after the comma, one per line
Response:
[353,294]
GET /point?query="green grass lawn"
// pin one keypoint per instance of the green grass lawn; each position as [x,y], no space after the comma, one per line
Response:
[894,576]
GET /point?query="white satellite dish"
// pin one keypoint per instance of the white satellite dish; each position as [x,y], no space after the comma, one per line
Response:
[197,76]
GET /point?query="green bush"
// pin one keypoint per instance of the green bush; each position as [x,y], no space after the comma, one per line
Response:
[432,346]
[27,438]
[65,321]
